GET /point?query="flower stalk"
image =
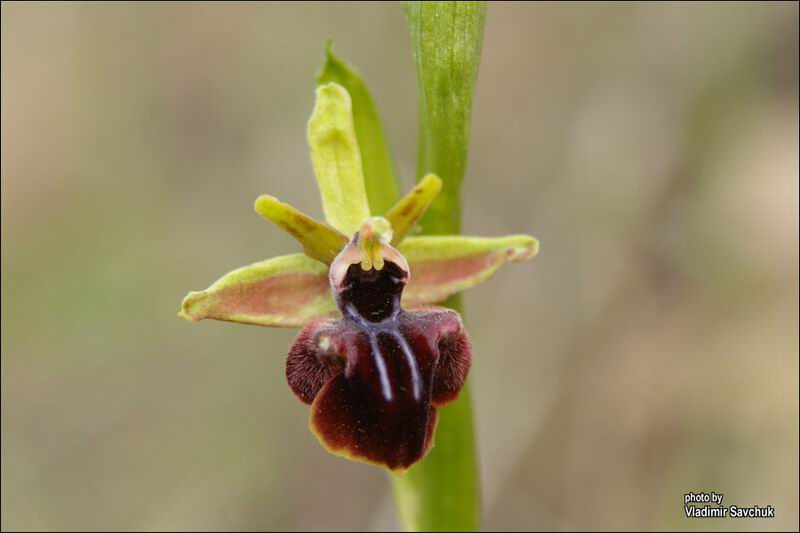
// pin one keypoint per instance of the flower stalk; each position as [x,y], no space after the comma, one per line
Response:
[443,492]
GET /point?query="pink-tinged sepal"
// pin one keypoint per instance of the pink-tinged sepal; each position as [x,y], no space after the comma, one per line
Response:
[285,291]
[443,265]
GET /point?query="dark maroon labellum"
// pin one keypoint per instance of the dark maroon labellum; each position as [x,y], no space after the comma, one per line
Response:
[375,376]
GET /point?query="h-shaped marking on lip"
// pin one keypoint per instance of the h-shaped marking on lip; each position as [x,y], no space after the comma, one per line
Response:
[389,327]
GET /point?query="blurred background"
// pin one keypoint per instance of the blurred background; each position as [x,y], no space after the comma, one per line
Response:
[651,349]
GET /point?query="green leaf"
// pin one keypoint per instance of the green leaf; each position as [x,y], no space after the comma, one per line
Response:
[337,159]
[376,160]
[319,241]
[412,206]
[285,291]
[446,39]
[443,265]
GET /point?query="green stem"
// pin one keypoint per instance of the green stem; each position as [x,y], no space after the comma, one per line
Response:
[442,493]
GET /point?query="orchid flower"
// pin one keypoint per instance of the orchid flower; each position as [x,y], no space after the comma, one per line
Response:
[374,359]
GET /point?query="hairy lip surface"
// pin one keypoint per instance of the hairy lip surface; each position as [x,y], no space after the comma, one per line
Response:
[375,377]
